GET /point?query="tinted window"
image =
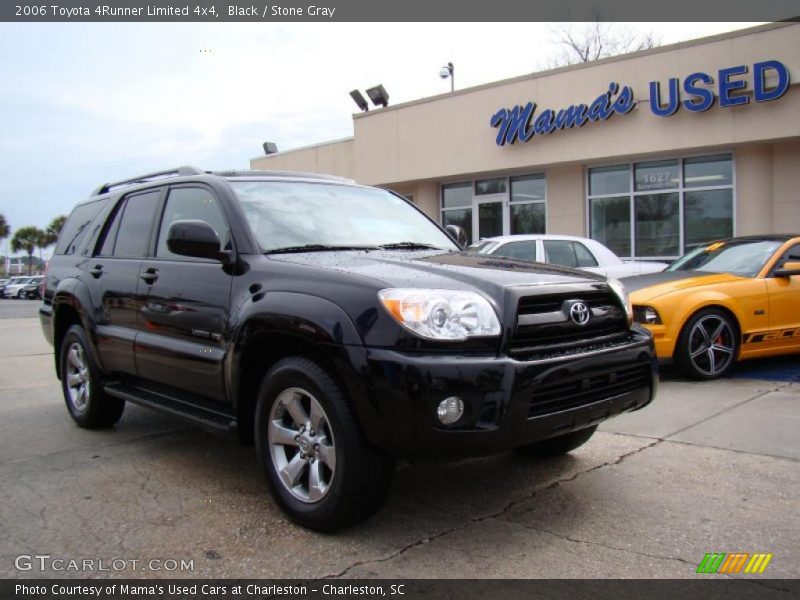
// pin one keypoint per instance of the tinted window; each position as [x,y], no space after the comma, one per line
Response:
[525,250]
[110,233]
[490,186]
[190,203]
[134,228]
[75,228]
[704,171]
[560,252]
[584,256]
[609,180]
[458,194]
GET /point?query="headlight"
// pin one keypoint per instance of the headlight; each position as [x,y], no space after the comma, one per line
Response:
[622,294]
[441,314]
[647,315]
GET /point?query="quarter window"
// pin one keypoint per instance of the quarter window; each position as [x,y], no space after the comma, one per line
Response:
[75,228]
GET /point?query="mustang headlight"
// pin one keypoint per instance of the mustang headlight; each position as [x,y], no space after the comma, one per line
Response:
[622,294]
[646,315]
[441,314]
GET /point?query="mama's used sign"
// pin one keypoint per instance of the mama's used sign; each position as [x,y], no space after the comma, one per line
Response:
[521,123]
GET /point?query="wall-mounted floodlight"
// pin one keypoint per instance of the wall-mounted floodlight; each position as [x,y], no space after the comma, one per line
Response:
[448,71]
[359,100]
[378,96]
[270,147]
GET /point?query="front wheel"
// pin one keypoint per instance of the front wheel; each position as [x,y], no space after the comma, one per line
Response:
[708,345]
[320,469]
[558,445]
[81,382]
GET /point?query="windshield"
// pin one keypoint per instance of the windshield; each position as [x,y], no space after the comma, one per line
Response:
[295,214]
[745,258]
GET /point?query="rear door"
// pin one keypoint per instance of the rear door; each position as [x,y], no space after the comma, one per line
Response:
[113,278]
[185,303]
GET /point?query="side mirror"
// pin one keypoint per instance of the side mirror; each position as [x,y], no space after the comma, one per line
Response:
[194,238]
[788,269]
[458,234]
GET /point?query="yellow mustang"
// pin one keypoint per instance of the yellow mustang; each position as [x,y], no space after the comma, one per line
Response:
[725,301]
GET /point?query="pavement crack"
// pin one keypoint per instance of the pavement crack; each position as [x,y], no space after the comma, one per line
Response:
[562,536]
[481,519]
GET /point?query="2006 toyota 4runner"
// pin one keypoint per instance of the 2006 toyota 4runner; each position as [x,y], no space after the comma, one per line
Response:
[334,325]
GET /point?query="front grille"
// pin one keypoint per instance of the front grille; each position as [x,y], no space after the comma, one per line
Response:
[565,395]
[543,325]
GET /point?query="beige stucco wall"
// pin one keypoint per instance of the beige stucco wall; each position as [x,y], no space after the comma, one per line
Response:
[413,148]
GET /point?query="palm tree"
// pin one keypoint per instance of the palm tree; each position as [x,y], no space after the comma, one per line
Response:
[27,239]
[4,228]
[55,227]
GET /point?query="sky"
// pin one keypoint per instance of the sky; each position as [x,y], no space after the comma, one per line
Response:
[86,103]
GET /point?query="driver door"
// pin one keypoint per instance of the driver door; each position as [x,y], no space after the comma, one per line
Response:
[784,305]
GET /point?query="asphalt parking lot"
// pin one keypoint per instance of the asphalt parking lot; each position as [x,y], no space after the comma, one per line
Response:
[709,467]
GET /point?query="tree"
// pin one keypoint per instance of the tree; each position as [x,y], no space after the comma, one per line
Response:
[592,41]
[27,239]
[55,227]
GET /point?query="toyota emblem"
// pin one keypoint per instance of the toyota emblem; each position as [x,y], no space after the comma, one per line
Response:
[579,313]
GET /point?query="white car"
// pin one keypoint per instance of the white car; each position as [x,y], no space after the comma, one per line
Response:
[14,286]
[567,251]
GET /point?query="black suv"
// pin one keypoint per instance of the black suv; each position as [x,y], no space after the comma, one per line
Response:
[334,325]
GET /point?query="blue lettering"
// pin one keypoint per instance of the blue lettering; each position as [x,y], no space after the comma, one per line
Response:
[760,91]
[580,115]
[542,124]
[656,106]
[625,102]
[726,86]
[513,124]
[703,98]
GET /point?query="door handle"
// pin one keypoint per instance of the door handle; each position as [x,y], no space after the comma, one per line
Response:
[96,271]
[149,276]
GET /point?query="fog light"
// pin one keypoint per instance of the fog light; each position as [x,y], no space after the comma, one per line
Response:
[450,410]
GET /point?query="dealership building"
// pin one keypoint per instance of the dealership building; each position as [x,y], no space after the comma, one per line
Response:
[651,153]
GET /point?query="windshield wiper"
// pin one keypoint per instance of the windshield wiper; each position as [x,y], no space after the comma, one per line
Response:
[316,248]
[408,246]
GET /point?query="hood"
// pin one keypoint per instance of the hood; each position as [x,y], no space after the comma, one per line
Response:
[437,269]
[644,288]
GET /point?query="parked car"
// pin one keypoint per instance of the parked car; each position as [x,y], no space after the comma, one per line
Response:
[334,325]
[13,288]
[10,281]
[33,289]
[567,251]
[730,300]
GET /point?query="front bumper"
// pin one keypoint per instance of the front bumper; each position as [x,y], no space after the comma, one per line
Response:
[508,403]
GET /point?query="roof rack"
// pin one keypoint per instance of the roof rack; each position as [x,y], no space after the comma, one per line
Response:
[177,172]
[299,174]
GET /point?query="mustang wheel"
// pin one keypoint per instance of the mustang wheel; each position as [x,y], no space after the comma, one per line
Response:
[312,451]
[708,345]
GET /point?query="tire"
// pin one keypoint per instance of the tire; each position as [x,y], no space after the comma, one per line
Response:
[708,345]
[82,384]
[558,445]
[350,477]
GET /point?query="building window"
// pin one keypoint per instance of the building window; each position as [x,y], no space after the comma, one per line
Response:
[528,204]
[457,206]
[661,209]
[497,206]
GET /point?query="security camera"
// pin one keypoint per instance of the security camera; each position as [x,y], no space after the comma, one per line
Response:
[444,72]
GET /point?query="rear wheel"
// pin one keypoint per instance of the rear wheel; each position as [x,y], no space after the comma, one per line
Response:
[558,445]
[81,382]
[708,345]
[320,469]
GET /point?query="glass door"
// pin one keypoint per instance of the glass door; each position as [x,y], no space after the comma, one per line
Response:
[490,219]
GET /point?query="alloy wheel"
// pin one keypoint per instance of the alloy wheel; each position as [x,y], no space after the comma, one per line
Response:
[78,384]
[301,444]
[711,345]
